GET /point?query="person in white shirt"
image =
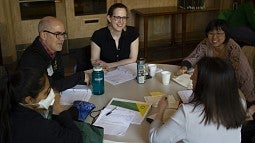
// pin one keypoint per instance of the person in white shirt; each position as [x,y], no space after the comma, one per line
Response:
[214,115]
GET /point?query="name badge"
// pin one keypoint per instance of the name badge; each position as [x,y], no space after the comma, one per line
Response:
[50,70]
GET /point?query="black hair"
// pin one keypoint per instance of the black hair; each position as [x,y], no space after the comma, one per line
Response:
[218,24]
[13,90]
[217,89]
[115,6]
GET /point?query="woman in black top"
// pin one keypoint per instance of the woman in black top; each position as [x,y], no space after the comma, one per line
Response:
[117,44]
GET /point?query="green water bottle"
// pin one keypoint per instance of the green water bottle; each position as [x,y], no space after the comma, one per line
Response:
[98,80]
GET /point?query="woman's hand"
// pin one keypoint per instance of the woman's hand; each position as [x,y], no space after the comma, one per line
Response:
[250,112]
[57,107]
[162,104]
[106,66]
[86,78]
[181,71]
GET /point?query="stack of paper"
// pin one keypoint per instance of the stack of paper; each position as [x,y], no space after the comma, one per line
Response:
[78,92]
[120,113]
[184,80]
[132,68]
[121,74]
[153,100]
[115,121]
[173,105]
[140,109]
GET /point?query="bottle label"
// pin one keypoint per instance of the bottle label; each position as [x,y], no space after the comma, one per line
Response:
[141,79]
[140,73]
[98,79]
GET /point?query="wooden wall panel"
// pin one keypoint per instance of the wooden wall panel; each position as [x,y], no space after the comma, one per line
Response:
[7,33]
[26,30]
[13,31]
[225,4]
[76,24]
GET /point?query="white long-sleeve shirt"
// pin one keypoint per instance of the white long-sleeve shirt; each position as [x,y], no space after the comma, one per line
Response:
[185,127]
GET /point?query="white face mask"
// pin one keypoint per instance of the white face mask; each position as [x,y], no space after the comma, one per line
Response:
[45,103]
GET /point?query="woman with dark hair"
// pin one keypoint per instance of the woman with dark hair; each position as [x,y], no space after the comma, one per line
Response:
[25,98]
[219,44]
[214,115]
[117,44]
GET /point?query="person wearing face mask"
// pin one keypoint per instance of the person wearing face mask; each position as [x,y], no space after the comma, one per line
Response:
[117,44]
[219,44]
[45,53]
[25,97]
[215,113]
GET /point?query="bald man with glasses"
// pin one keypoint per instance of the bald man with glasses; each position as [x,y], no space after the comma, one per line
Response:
[45,53]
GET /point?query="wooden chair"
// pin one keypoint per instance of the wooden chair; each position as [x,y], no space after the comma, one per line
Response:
[82,57]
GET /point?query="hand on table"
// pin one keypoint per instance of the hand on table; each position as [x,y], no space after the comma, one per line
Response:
[106,66]
[86,78]
[181,71]
[57,107]
[162,104]
[250,112]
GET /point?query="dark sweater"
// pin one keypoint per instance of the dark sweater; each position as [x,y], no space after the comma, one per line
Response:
[36,56]
[29,126]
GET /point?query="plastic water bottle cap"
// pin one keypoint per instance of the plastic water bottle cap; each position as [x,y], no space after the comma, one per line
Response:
[97,68]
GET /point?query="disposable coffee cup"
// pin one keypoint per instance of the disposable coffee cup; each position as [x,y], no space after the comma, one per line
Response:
[165,77]
[152,69]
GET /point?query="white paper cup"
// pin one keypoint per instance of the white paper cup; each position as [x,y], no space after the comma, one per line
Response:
[166,77]
[152,69]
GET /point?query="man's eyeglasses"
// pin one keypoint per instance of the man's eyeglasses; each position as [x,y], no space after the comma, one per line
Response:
[58,34]
[117,18]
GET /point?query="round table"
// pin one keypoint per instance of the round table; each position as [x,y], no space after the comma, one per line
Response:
[131,90]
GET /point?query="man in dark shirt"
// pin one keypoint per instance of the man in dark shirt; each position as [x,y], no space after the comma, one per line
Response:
[45,53]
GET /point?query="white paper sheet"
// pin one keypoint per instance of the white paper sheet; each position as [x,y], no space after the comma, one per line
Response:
[78,92]
[140,109]
[185,95]
[184,80]
[121,74]
[117,122]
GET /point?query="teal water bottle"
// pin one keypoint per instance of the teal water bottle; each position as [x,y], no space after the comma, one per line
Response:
[98,80]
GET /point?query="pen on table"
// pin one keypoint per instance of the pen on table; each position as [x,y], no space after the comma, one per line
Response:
[111,111]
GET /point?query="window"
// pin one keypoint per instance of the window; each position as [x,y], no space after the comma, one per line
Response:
[89,7]
[36,9]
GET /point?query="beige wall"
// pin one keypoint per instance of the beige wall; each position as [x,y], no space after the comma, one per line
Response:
[14,31]
[7,33]
[76,24]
